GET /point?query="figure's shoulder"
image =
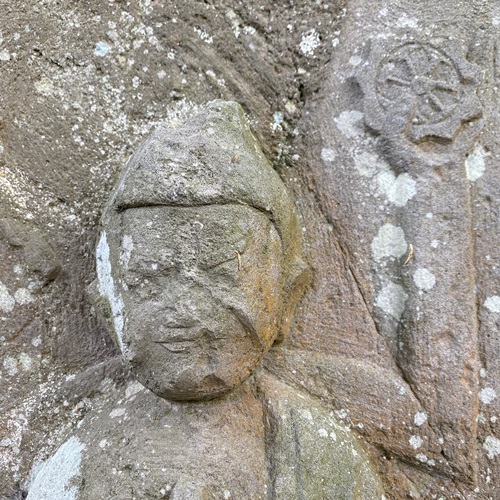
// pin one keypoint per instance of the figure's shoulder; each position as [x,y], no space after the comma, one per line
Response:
[310,454]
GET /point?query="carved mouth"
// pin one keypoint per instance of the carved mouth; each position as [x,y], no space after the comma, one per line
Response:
[177,345]
[178,339]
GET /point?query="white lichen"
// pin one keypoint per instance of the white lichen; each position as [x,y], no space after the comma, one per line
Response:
[204,35]
[350,123]
[365,163]
[323,433]
[10,366]
[407,22]
[309,43]
[420,418]
[475,164]
[392,299]
[102,49]
[107,287]
[424,279]
[45,86]
[415,442]
[25,361]
[492,446]
[389,242]
[5,55]
[327,155]
[487,395]
[117,412]
[355,61]
[492,303]
[53,478]
[23,296]
[398,190]
[7,302]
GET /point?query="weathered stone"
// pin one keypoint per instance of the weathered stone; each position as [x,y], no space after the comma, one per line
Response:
[201,276]
[264,440]
[84,83]
[199,259]
[37,253]
[405,109]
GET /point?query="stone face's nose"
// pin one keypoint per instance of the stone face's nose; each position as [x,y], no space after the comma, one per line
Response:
[183,310]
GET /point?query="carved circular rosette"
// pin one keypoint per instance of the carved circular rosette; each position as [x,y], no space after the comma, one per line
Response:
[422,98]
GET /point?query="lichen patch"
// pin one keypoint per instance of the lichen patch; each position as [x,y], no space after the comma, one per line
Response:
[309,43]
[7,302]
[420,418]
[54,476]
[424,279]
[475,165]
[389,242]
[415,442]
[398,190]
[492,303]
[107,287]
[392,299]
[487,395]
[492,446]
[350,123]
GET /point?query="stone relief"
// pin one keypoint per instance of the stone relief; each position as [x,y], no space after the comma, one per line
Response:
[397,335]
[423,102]
[407,118]
[199,269]
[422,94]
[204,267]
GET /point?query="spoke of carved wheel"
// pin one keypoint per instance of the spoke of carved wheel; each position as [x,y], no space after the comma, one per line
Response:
[436,103]
[439,85]
[409,62]
[398,81]
[430,59]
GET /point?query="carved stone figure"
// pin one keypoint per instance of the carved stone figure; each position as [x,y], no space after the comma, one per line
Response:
[199,260]
[199,266]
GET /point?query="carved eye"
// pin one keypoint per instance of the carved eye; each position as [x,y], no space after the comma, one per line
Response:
[226,261]
[141,269]
[223,257]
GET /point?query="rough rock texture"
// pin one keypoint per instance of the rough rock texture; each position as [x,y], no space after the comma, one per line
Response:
[407,355]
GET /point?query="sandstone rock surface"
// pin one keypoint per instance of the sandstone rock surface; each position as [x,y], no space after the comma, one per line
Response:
[380,117]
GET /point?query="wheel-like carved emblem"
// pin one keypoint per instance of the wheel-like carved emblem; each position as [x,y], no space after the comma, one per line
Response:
[422,93]
[421,75]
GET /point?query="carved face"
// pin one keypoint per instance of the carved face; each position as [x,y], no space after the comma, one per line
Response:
[200,290]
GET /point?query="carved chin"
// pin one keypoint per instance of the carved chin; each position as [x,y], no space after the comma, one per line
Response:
[175,372]
[187,385]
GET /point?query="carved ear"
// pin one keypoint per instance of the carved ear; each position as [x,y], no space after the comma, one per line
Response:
[292,292]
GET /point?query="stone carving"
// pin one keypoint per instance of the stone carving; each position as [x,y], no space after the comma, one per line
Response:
[199,267]
[423,94]
[199,259]
[401,176]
